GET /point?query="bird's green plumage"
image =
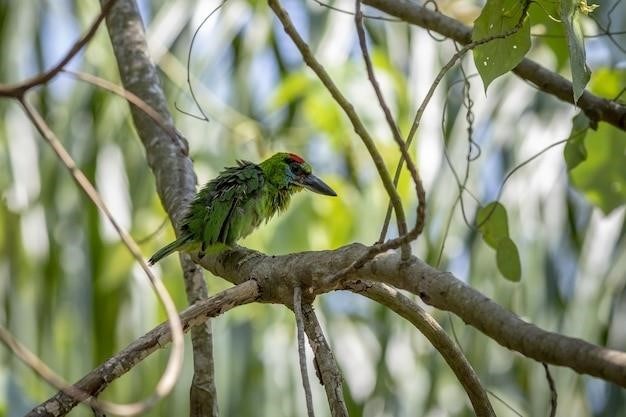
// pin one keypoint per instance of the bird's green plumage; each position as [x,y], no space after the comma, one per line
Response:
[236,202]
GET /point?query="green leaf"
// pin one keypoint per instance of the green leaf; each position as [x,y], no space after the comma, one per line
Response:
[507,258]
[499,56]
[570,17]
[602,176]
[492,223]
[575,152]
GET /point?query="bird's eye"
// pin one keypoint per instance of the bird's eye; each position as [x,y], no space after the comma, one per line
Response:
[297,169]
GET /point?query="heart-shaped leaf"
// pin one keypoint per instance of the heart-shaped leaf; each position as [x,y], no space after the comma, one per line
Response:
[498,56]
[507,258]
[493,223]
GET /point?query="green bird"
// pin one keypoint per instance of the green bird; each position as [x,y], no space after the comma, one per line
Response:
[235,203]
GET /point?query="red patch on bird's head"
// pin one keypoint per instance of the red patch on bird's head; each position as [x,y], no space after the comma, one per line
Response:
[295,158]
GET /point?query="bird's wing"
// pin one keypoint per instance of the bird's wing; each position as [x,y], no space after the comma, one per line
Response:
[222,200]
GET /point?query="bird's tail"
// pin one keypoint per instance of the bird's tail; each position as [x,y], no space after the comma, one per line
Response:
[169,249]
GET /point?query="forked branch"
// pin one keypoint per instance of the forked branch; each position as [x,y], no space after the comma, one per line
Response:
[440,289]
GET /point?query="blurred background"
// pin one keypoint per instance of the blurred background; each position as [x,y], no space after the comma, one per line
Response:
[70,291]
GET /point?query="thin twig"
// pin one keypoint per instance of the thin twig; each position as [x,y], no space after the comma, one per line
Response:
[431,91]
[174,364]
[153,234]
[347,107]
[42,369]
[395,131]
[519,166]
[462,185]
[136,101]
[552,386]
[504,403]
[390,188]
[326,363]
[297,309]
[348,12]
[193,94]
[157,338]
[18,90]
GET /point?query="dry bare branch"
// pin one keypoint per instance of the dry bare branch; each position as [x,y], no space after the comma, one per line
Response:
[277,274]
[553,393]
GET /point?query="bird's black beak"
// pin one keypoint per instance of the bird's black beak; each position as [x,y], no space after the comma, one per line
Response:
[311,182]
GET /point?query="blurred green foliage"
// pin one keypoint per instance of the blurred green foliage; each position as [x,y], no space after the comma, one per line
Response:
[70,291]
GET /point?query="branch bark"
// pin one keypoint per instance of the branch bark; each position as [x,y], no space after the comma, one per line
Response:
[297,310]
[173,171]
[428,326]
[272,279]
[596,108]
[202,393]
[277,275]
[98,379]
[326,363]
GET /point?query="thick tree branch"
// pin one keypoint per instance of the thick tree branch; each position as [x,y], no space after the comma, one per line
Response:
[596,108]
[172,168]
[98,379]
[272,279]
[277,275]
[429,327]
